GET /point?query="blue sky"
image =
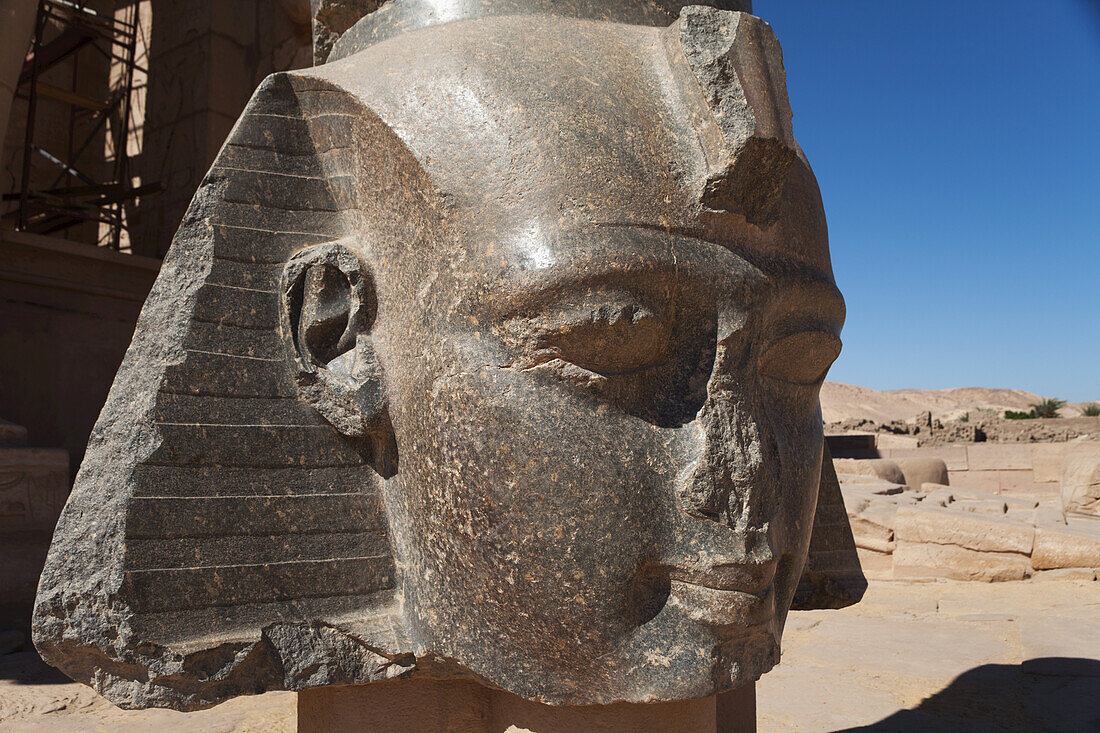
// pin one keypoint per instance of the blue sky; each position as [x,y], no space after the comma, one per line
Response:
[958,151]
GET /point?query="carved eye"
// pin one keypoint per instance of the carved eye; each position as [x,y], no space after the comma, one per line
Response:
[800,359]
[606,333]
[611,339]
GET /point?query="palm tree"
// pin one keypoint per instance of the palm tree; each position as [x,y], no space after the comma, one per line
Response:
[1047,407]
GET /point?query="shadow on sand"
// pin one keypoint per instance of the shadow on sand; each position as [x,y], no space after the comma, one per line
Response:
[1045,694]
[27,668]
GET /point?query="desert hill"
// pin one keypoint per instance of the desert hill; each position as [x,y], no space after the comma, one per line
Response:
[847,401]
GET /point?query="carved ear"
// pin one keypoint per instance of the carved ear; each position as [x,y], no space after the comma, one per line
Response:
[328,309]
[749,144]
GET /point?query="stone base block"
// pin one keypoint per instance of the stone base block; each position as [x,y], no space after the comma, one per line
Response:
[1074,546]
[969,530]
[916,561]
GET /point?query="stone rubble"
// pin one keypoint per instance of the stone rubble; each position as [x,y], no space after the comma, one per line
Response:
[943,532]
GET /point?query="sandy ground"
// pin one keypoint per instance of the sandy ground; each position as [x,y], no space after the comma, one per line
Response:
[943,656]
[940,656]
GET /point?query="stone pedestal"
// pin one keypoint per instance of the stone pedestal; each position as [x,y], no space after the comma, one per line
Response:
[459,706]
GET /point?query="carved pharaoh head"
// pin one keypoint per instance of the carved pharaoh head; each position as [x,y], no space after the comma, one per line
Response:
[490,347]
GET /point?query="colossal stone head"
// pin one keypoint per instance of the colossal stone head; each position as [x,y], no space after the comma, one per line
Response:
[491,347]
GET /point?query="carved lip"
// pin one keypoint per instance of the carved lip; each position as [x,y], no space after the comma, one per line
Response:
[753,579]
[729,611]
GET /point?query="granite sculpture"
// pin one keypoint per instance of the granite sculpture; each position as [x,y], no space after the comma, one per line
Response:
[489,348]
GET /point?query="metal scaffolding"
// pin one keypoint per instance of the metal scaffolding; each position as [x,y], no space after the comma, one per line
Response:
[74,196]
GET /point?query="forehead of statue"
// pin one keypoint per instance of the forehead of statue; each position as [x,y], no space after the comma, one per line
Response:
[516,118]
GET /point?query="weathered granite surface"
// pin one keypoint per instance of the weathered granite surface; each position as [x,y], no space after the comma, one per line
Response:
[499,361]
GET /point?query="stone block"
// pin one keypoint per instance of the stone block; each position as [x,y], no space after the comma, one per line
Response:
[869,486]
[1022,484]
[879,468]
[887,441]
[999,457]
[986,481]
[918,471]
[873,528]
[876,565]
[1081,482]
[1019,512]
[991,505]
[961,499]
[1072,546]
[937,495]
[1065,574]
[954,456]
[1046,462]
[927,561]
[981,533]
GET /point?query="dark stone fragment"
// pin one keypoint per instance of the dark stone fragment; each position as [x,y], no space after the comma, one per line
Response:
[833,577]
[490,350]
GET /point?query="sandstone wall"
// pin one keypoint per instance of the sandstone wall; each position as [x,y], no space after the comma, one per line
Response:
[67,313]
[1009,469]
[205,59]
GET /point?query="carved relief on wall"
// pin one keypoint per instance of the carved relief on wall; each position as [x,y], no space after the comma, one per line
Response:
[34,483]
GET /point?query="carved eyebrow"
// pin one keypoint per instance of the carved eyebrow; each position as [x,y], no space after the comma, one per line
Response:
[527,288]
[758,252]
[583,258]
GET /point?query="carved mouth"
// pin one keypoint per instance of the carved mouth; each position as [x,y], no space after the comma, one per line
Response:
[729,597]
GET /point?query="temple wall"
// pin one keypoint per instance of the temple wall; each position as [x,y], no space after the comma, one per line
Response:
[67,312]
[1010,469]
[205,59]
